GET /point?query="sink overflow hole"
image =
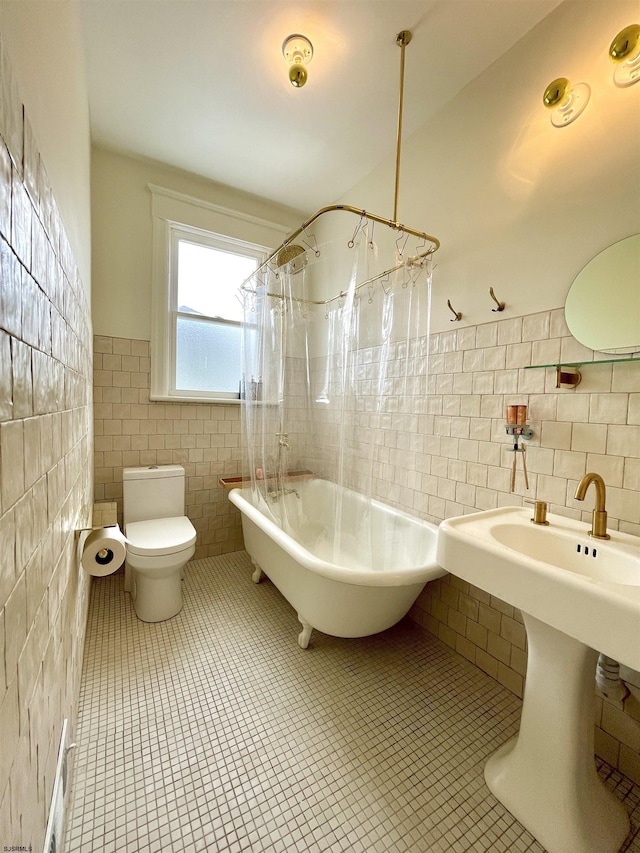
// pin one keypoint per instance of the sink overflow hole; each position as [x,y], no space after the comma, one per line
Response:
[594,551]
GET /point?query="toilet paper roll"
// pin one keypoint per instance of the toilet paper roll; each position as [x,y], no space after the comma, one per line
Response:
[104,551]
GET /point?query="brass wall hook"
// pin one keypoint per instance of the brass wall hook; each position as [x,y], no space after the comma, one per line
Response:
[496,300]
[456,314]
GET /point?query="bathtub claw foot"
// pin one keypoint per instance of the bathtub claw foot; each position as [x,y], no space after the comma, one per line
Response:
[305,635]
[256,577]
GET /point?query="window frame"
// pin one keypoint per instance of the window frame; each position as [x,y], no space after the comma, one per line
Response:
[176,216]
[199,237]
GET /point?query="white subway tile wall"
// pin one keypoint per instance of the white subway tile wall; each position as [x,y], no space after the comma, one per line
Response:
[131,430]
[45,477]
[440,449]
[590,428]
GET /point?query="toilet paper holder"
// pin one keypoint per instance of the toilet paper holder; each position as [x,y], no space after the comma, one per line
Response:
[77,533]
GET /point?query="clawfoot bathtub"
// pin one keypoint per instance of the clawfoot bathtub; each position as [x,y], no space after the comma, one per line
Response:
[360,580]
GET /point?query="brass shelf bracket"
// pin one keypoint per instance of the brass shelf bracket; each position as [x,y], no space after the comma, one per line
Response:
[567,377]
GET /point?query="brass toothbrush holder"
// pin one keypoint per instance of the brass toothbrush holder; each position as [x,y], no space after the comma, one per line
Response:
[519,431]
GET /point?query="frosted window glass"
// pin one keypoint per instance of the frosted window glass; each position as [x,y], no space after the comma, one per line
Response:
[207,355]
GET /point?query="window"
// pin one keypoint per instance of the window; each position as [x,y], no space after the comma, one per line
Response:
[197,315]
[206,272]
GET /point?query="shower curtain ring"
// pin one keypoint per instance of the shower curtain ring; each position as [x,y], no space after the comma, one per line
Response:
[352,241]
[399,250]
[314,248]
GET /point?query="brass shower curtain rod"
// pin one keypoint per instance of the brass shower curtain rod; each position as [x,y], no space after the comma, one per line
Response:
[416,260]
[402,40]
[363,214]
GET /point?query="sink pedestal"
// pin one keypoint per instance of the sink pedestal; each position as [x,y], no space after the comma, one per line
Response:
[546,775]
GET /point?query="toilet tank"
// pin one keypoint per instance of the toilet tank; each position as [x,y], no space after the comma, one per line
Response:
[153,492]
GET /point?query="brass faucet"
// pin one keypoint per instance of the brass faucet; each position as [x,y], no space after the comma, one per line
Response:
[599,523]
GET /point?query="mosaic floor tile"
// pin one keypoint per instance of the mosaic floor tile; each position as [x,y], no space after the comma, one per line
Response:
[214,731]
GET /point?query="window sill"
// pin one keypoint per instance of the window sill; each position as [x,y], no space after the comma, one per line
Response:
[176,398]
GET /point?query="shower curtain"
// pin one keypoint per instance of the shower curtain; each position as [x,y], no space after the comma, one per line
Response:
[333,390]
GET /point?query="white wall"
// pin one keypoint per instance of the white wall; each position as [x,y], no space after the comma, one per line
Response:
[122,234]
[44,43]
[519,204]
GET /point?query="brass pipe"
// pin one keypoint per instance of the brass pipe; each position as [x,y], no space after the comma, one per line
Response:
[364,214]
[402,40]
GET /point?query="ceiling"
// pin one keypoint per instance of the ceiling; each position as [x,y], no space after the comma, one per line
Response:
[202,84]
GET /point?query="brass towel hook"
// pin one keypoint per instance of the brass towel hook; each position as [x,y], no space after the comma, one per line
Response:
[498,303]
[456,314]
[496,300]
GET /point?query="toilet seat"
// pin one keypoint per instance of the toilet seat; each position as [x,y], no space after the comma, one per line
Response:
[159,536]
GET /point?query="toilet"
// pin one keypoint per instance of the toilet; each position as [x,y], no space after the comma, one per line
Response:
[160,539]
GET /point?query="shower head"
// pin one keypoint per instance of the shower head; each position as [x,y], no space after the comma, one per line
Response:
[293,257]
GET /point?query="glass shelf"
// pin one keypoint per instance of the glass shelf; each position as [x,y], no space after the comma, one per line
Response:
[582,363]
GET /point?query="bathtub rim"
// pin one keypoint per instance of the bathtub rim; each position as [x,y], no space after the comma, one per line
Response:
[358,577]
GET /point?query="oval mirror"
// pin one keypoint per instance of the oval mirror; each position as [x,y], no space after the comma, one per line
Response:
[602,309]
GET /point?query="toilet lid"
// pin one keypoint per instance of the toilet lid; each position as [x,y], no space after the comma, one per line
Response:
[159,536]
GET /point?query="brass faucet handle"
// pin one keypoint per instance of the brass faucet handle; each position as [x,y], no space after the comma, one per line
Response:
[539,512]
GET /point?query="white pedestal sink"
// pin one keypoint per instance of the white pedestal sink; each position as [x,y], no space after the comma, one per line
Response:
[579,596]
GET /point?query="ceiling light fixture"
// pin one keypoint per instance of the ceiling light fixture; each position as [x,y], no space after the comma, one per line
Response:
[625,52]
[298,52]
[565,101]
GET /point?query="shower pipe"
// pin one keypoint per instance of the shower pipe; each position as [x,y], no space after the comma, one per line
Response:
[415,260]
[403,38]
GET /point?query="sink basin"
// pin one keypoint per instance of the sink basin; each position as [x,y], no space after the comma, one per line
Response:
[567,551]
[578,596]
[584,587]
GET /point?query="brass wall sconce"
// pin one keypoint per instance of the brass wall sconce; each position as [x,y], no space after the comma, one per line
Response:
[298,52]
[625,53]
[565,101]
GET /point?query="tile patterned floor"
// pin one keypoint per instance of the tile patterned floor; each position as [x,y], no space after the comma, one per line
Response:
[214,731]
